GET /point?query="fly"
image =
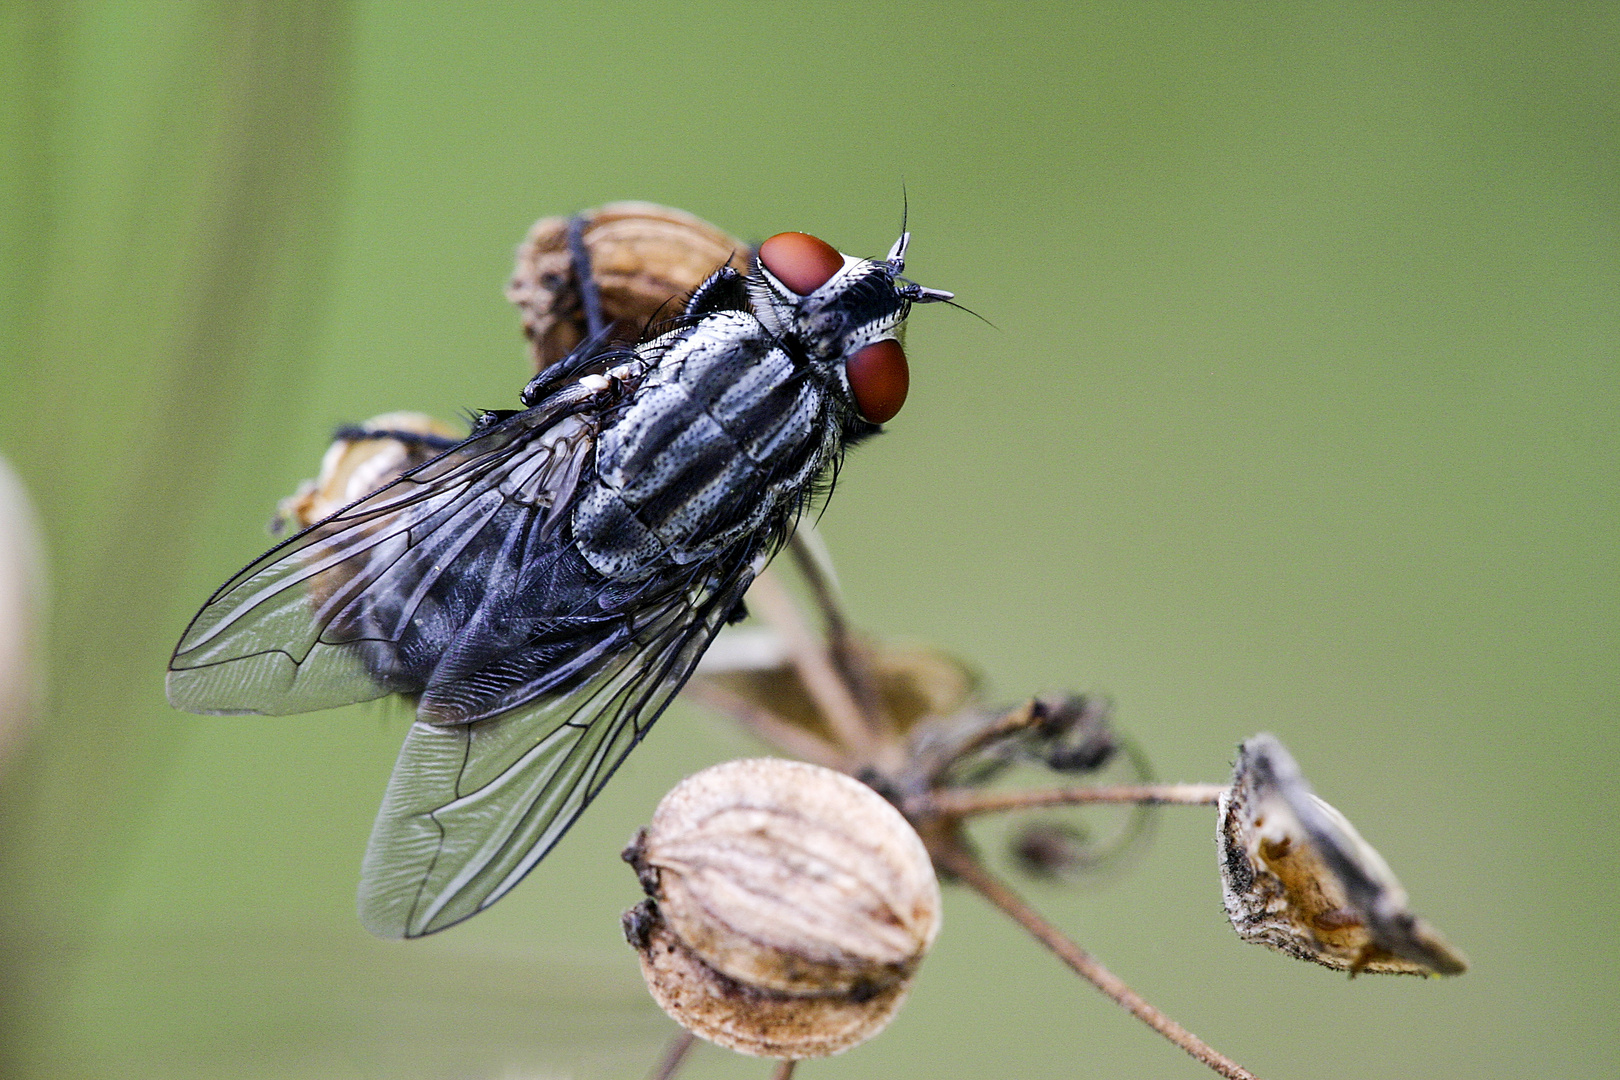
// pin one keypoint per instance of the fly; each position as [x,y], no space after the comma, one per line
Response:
[542,589]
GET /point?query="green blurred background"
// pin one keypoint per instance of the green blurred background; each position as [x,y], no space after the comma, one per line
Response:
[1301,416]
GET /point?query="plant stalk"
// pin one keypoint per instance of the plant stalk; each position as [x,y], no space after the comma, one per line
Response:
[674,1056]
[952,857]
[967,802]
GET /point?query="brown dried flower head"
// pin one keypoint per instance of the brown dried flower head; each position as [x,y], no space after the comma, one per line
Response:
[790,906]
[1297,876]
[642,257]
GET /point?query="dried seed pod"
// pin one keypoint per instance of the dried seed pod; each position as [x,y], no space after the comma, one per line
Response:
[1052,850]
[790,908]
[22,608]
[642,256]
[359,462]
[1297,876]
[739,1017]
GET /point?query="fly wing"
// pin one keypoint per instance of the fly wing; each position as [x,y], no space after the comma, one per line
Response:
[317,621]
[471,808]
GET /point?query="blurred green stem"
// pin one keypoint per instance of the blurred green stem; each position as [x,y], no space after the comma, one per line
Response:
[174,172]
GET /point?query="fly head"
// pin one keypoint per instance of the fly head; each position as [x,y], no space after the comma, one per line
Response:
[844,315]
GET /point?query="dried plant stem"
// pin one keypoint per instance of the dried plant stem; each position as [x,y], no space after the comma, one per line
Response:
[933,763]
[810,556]
[957,860]
[674,1056]
[784,1069]
[765,723]
[821,589]
[821,678]
[966,802]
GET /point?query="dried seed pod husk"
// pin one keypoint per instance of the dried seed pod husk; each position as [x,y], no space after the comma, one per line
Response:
[643,257]
[749,1020]
[1297,876]
[354,467]
[791,907]
[1053,850]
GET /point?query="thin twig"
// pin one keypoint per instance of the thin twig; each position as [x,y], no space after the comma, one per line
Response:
[590,296]
[931,762]
[1018,718]
[784,1069]
[966,802]
[763,722]
[825,593]
[810,556]
[821,678]
[674,1056]
[955,859]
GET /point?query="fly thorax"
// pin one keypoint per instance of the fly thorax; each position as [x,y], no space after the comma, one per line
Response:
[715,443]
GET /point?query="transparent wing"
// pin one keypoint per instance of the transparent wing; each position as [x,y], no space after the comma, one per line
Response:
[472,808]
[318,620]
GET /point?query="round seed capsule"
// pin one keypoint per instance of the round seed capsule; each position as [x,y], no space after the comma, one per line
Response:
[790,906]
[643,257]
[802,262]
[879,378]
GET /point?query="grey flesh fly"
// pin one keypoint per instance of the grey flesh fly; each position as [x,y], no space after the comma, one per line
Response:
[542,589]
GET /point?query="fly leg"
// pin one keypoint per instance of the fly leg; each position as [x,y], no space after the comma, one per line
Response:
[412,440]
[590,297]
[598,327]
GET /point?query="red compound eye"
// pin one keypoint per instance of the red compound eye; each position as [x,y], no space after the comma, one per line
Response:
[800,261]
[879,378]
